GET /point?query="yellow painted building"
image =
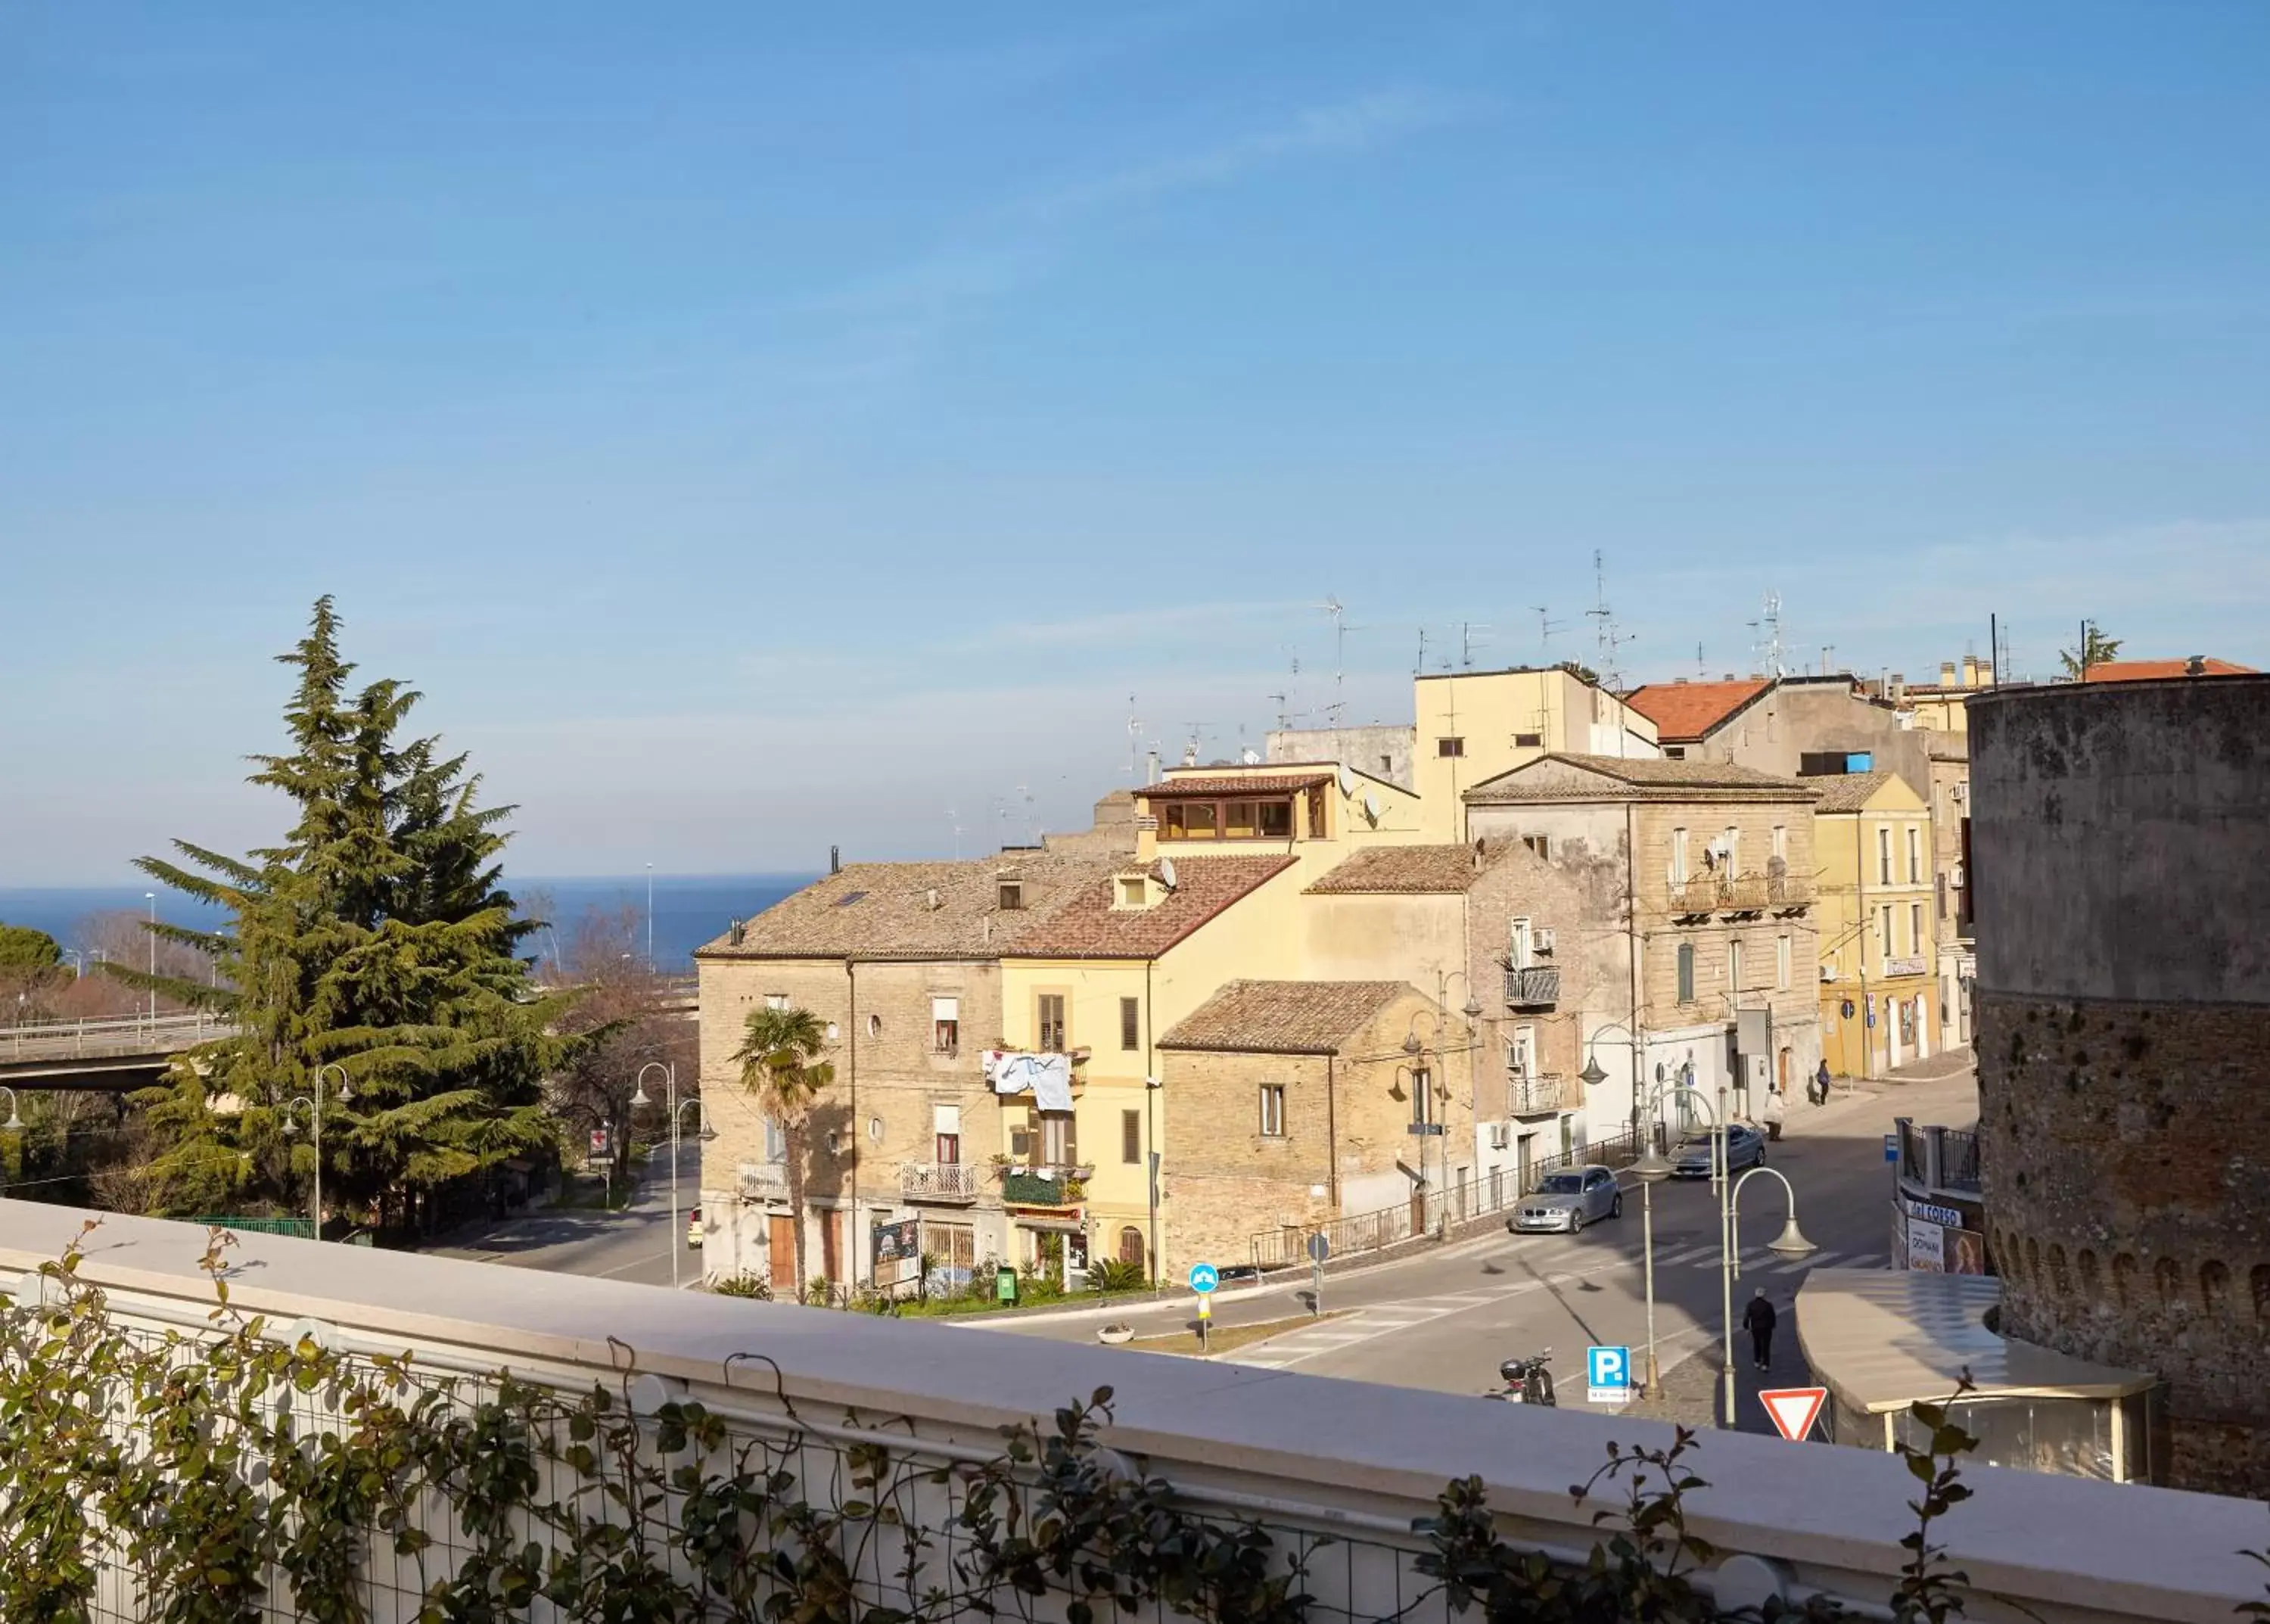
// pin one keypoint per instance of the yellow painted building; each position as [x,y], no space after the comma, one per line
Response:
[1872,840]
[1211,894]
[1471,726]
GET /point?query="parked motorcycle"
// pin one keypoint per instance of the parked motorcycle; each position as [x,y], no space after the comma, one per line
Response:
[1527,1380]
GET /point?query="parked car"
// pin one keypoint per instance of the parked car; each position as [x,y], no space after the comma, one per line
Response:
[694,1230]
[1746,1147]
[1565,1202]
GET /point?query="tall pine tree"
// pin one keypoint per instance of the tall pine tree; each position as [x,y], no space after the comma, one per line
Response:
[376,937]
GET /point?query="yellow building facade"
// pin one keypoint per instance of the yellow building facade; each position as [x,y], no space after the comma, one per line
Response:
[1471,726]
[1879,954]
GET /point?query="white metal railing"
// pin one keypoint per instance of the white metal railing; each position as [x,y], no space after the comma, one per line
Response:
[763,1181]
[938,1180]
[1292,1455]
[64,1038]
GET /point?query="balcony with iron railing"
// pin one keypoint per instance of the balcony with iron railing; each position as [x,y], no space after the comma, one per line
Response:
[1048,1184]
[869,1441]
[1535,986]
[1544,1095]
[942,1182]
[1718,892]
[763,1181]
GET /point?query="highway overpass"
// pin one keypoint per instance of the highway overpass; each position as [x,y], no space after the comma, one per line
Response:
[126,1052]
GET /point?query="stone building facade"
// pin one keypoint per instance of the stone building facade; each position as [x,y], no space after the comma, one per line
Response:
[901,963]
[1700,874]
[1297,1100]
[2120,841]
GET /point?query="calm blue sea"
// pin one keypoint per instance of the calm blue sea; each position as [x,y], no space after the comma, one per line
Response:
[689,910]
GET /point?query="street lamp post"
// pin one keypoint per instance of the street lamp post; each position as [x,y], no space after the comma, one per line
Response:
[313,1102]
[676,1108]
[13,1126]
[1790,1243]
[1651,1168]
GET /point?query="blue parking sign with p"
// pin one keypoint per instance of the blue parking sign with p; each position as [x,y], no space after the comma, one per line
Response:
[1607,1374]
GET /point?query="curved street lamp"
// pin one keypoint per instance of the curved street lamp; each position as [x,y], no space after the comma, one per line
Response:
[1790,1243]
[314,1104]
[676,1108]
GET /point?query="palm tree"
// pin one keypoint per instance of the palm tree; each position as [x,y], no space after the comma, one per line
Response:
[781,1065]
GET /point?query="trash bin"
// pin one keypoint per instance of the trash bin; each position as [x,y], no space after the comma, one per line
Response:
[1005,1284]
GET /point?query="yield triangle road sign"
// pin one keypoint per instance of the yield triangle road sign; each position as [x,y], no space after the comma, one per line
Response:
[1793,1409]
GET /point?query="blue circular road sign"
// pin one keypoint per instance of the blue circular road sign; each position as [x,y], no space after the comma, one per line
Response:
[1203,1278]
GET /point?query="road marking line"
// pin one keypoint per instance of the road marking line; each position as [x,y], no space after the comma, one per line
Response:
[1686,1255]
[1797,1265]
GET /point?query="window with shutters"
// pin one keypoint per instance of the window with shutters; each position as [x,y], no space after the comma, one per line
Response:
[1782,955]
[1450,746]
[1050,1023]
[1679,857]
[1883,854]
[1272,1110]
[1915,928]
[946,1026]
[1687,972]
[1734,964]
[1059,1142]
[1914,855]
[1131,1023]
[1130,1138]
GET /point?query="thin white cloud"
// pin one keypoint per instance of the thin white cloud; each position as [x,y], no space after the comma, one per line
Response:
[1343,129]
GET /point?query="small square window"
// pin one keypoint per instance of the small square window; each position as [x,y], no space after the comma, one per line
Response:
[1450,746]
[1011,896]
[1131,893]
[1528,741]
[777,1000]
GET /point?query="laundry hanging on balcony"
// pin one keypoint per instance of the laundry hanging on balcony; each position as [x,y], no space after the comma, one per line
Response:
[1047,1078]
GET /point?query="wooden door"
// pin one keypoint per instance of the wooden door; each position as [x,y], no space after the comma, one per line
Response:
[781,1242]
[831,1244]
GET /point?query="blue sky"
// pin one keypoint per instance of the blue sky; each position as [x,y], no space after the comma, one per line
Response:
[755,429]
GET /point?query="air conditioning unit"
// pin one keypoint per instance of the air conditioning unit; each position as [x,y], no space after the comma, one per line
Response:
[1541,941]
[1829,972]
[1954,877]
[1501,1136]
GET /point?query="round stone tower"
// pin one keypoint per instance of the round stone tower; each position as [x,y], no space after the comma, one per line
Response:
[2121,874]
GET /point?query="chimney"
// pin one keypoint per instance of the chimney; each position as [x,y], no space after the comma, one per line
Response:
[1947,673]
[1899,686]
[933,898]
[1153,776]
[836,859]
[1969,671]
[2196,666]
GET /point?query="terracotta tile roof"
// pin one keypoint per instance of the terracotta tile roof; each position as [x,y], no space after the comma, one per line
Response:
[1405,869]
[1684,711]
[2147,671]
[1847,793]
[1284,1016]
[1240,783]
[885,910]
[1560,776]
[1087,925]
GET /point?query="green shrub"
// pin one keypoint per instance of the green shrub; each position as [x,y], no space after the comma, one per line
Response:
[745,1285]
[1115,1274]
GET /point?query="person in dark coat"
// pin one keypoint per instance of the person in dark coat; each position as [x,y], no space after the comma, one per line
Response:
[1760,1317]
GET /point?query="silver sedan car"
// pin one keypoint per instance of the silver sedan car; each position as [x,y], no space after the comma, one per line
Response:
[1564,1203]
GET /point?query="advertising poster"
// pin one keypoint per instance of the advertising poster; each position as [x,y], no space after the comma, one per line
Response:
[1926,1246]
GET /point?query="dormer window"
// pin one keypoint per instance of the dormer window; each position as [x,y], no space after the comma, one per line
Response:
[1131,893]
[1012,895]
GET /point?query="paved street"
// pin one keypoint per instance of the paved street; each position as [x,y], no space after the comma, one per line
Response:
[632,1244]
[1444,1321]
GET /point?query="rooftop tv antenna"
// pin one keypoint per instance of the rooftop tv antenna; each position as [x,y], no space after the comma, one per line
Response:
[1467,639]
[954,818]
[1190,749]
[1609,637]
[1284,717]
[1332,606]
[1768,648]
[1546,626]
[1134,739]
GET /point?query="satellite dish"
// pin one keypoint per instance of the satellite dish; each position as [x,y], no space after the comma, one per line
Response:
[1167,872]
[1371,806]
[1347,783]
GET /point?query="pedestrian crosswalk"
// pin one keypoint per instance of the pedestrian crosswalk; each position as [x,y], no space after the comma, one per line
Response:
[1545,1264]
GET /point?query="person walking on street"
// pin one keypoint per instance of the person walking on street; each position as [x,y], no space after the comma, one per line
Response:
[1773,1113]
[1759,1316]
[1819,1088]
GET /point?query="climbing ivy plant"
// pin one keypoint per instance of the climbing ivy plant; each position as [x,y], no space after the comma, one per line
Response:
[223,1473]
